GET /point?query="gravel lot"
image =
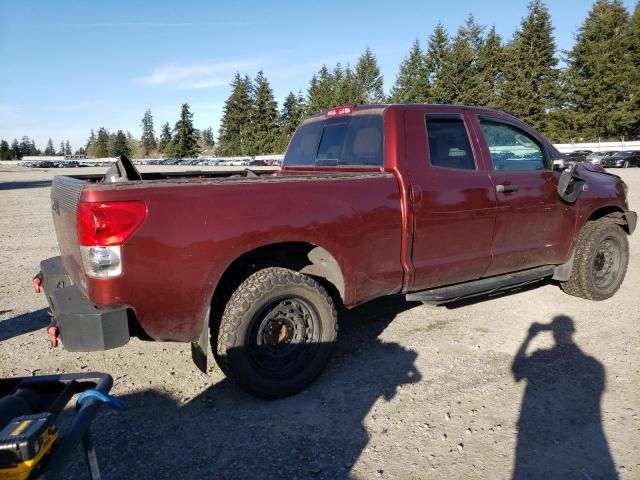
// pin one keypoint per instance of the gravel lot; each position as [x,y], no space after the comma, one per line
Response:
[411,392]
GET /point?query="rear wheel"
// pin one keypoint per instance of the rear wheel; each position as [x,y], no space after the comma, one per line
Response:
[276,332]
[625,164]
[600,263]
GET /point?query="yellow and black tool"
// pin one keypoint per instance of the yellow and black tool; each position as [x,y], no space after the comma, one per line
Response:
[24,443]
[31,447]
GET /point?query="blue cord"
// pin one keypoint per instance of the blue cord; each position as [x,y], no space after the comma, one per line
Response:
[113,402]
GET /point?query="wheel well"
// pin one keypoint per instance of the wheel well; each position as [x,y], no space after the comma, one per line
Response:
[614,213]
[302,257]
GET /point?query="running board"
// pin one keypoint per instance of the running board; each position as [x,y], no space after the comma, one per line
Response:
[451,293]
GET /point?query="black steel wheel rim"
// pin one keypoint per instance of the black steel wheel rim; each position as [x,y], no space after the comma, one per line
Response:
[284,335]
[606,263]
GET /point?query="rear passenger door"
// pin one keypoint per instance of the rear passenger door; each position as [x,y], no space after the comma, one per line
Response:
[452,196]
[533,226]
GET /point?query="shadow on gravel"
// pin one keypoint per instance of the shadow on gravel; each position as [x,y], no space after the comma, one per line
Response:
[560,433]
[224,433]
[25,323]
[25,184]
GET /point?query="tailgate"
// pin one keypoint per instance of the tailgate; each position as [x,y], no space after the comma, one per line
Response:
[65,195]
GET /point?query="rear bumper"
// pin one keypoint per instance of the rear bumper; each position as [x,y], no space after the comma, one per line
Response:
[83,326]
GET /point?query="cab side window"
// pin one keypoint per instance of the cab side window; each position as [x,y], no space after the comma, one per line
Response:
[449,145]
[512,148]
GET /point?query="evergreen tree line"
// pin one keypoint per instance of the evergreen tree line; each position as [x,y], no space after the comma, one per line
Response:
[596,95]
[183,141]
[252,124]
[27,147]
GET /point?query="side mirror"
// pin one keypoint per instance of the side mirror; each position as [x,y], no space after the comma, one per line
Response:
[558,165]
[570,185]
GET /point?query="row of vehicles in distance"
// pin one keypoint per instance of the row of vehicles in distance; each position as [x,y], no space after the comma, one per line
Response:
[64,163]
[211,162]
[608,159]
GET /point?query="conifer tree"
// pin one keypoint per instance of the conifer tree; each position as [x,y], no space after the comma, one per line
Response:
[207,137]
[120,145]
[412,83]
[15,149]
[458,80]
[490,65]
[290,116]
[530,73]
[235,124]
[148,138]
[165,137]
[321,92]
[600,77]
[102,143]
[90,147]
[368,78]
[4,150]
[264,121]
[185,140]
[49,150]
[67,148]
[634,81]
[345,89]
[25,147]
[437,47]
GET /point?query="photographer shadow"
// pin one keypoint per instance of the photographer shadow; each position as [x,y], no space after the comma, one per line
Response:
[560,434]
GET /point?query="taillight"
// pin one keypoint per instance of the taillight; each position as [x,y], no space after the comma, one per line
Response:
[334,112]
[102,229]
[108,223]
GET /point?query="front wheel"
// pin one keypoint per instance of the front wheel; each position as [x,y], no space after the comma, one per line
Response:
[600,262]
[625,164]
[276,332]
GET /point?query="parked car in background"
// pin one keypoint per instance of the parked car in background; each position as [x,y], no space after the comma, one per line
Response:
[623,159]
[595,158]
[579,155]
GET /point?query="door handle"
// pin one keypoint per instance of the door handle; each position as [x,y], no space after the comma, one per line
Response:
[507,188]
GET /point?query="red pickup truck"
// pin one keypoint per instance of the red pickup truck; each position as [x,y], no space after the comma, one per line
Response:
[435,202]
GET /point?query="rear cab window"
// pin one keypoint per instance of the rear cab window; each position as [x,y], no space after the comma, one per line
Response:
[347,140]
[449,145]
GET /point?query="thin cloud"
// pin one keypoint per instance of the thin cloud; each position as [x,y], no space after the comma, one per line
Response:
[159,24]
[199,76]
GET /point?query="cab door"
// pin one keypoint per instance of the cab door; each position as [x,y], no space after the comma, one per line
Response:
[533,226]
[452,197]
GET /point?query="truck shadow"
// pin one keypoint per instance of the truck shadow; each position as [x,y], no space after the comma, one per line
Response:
[465,302]
[25,184]
[21,324]
[224,433]
[560,433]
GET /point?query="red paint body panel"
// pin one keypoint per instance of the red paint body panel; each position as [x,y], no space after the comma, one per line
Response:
[406,226]
[448,205]
[193,232]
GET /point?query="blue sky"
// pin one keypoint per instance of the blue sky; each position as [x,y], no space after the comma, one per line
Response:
[69,66]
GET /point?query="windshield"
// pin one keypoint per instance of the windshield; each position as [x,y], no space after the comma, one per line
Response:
[346,140]
[621,155]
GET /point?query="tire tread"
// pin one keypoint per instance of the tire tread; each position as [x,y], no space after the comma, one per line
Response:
[579,284]
[247,294]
